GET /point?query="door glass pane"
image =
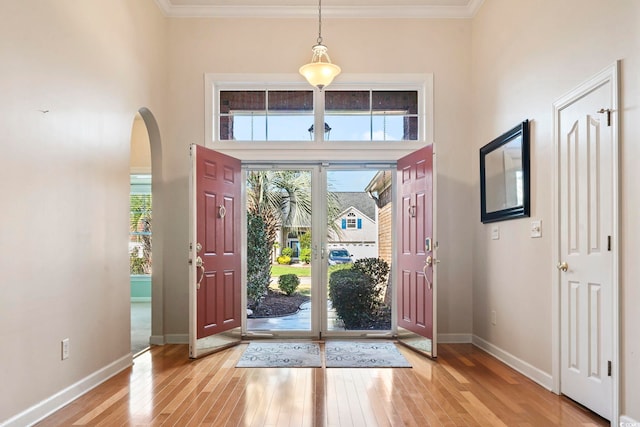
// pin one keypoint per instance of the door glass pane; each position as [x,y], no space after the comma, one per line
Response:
[359,250]
[279,215]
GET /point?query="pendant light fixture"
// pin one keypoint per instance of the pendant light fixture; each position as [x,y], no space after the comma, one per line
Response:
[320,72]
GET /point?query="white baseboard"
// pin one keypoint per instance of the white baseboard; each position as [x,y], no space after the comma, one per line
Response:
[51,404]
[454,338]
[157,340]
[628,422]
[177,338]
[140,299]
[526,369]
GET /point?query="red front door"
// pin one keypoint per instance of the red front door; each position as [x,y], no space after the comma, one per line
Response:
[416,243]
[217,230]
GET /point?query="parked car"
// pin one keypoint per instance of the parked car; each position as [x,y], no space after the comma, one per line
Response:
[339,256]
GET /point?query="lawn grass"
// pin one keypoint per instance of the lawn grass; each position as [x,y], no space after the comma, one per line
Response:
[302,271]
[278,270]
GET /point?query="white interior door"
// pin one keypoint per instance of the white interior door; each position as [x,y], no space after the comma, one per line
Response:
[587,186]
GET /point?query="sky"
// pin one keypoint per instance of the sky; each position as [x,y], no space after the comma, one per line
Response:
[349,180]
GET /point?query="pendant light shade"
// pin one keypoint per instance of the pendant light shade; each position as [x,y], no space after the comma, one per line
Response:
[320,72]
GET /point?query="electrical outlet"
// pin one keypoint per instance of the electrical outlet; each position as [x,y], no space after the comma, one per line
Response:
[65,348]
[493,317]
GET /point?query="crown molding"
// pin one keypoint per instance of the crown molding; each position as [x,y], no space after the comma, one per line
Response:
[277,11]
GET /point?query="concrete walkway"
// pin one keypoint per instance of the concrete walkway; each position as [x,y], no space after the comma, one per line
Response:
[301,321]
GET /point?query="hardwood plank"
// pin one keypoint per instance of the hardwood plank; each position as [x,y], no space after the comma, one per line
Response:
[464,387]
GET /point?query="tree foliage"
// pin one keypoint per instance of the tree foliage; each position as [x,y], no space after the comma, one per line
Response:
[258,260]
[282,198]
[140,226]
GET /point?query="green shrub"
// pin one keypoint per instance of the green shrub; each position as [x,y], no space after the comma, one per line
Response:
[258,260]
[377,270]
[305,255]
[288,283]
[284,259]
[287,252]
[354,297]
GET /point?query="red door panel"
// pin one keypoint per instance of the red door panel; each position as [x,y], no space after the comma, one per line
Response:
[415,223]
[217,230]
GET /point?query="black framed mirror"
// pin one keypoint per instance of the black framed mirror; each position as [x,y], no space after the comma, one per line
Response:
[504,176]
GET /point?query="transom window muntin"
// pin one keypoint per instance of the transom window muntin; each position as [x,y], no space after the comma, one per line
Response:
[282,115]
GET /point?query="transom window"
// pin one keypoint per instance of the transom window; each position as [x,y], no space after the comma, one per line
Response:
[290,115]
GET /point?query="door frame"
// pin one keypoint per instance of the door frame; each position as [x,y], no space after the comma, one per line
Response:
[608,75]
[319,267]
[313,168]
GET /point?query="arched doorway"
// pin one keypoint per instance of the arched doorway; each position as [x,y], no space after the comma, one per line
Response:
[140,235]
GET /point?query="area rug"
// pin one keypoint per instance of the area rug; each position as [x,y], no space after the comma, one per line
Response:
[281,355]
[355,354]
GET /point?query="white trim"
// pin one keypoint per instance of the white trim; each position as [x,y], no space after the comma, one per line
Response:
[140,299]
[526,369]
[157,340]
[344,151]
[454,338]
[331,11]
[609,74]
[434,238]
[51,404]
[176,338]
[626,421]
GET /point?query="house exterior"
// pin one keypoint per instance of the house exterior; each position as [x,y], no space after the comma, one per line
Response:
[74,74]
[358,231]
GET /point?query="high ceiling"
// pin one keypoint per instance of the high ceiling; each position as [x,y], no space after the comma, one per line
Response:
[330,8]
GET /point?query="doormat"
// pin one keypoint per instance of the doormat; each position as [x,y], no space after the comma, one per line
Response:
[356,354]
[280,355]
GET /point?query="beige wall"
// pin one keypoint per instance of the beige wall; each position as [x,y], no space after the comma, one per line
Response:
[441,47]
[140,161]
[64,181]
[525,56]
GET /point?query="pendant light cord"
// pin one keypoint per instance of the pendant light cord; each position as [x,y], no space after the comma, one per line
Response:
[319,21]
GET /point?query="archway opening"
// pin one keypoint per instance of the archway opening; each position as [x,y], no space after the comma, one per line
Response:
[140,235]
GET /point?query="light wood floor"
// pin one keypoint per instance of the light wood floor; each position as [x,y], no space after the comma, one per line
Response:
[464,387]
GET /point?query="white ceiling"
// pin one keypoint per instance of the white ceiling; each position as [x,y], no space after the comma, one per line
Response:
[330,8]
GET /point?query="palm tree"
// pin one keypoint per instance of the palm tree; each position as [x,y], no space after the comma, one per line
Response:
[282,198]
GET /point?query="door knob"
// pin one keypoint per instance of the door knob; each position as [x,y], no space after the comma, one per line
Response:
[563,266]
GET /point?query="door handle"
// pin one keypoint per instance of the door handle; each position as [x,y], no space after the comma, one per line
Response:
[200,265]
[222,211]
[427,263]
[563,266]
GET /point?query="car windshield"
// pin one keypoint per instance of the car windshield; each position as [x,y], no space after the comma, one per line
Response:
[340,253]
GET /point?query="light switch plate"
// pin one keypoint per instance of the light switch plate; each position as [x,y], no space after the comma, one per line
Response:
[536,228]
[495,232]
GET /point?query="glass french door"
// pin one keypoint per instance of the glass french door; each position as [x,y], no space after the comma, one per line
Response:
[317,222]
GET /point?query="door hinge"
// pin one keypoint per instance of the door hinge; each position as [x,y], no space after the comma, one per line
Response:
[608,112]
[609,243]
[609,368]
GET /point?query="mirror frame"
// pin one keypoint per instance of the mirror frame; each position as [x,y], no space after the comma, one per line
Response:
[519,211]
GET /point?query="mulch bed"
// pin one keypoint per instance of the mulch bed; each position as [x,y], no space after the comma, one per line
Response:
[276,304]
